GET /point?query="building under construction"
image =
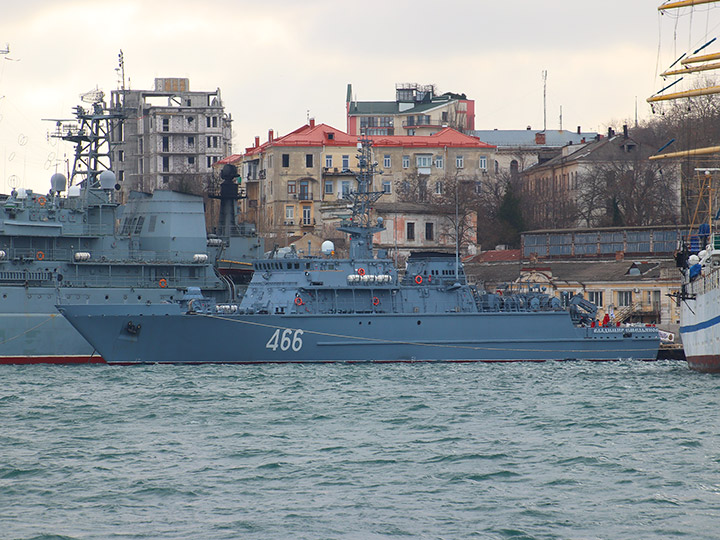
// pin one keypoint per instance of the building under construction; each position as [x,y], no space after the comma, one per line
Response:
[171,136]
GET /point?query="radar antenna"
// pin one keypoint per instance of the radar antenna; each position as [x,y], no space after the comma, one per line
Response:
[358,226]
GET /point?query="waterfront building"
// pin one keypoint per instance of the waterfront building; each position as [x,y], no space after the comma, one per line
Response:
[520,149]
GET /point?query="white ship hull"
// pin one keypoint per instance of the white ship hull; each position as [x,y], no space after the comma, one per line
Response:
[701,322]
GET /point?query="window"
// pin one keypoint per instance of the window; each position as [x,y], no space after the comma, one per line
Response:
[346,187]
[215,142]
[444,116]
[477,188]
[209,161]
[386,161]
[410,231]
[291,186]
[289,213]
[214,121]
[308,160]
[207,121]
[345,162]
[165,144]
[190,120]
[166,163]
[438,188]
[387,186]
[166,124]
[459,162]
[328,161]
[208,141]
[405,162]
[191,160]
[423,161]
[429,231]
[286,160]
[624,298]
[191,141]
[307,215]
[596,297]
[482,163]
[328,188]
[439,162]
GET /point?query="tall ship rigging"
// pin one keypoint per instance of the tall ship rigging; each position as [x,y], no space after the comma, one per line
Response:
[699,256]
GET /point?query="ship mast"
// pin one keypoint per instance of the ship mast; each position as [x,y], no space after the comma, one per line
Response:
[358,225]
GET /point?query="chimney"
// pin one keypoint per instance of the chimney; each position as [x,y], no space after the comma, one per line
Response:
[257,142]
[270,135]
[578,130]
[312,122]
[540,138]
[611,133]
[625,131]
[619,255]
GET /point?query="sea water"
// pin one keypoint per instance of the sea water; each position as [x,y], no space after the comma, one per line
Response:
[571,450]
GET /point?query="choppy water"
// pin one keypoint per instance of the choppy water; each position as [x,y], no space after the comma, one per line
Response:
[515,451]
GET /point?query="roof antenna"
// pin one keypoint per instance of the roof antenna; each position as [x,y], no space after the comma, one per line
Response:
[544,77]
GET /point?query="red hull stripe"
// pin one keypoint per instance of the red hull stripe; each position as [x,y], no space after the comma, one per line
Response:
[80,359]
[707,363]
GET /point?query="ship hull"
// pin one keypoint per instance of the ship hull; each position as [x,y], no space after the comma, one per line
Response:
[700,328]
[164,334]
[32,331]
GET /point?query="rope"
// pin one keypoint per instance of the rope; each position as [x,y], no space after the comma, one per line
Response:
[396,342]
[52,316]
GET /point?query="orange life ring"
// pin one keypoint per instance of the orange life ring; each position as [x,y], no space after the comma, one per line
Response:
[298,301]
[41,200]
[40,255]
[361,271]
[376,300]
[162,283]
[418,279]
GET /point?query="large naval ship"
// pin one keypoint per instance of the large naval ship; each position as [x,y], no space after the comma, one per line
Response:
[76,244]
[323,309]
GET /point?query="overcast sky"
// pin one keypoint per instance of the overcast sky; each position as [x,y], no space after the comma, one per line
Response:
[276,60]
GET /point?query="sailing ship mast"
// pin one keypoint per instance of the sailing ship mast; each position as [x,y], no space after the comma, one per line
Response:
[704,63]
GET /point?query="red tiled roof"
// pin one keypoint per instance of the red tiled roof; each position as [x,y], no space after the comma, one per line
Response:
[233,158]
[318,135]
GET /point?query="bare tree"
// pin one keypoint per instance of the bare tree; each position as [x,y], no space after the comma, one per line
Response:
[455,197]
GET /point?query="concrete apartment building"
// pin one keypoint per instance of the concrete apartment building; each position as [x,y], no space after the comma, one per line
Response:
[295,183]
[417,110]
[171,136]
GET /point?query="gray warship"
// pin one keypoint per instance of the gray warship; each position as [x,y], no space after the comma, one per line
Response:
[359,309]
[77,244]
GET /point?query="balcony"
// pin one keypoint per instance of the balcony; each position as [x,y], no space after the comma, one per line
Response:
[337,171]
[303,196]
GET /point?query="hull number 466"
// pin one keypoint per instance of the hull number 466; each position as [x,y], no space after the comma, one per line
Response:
[287,339]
